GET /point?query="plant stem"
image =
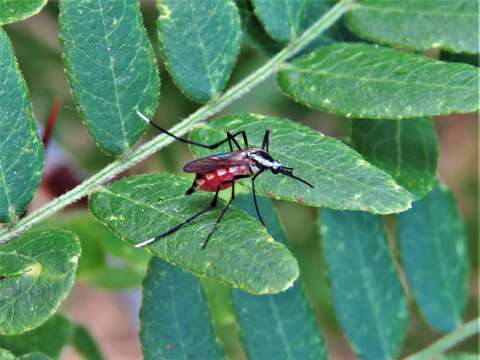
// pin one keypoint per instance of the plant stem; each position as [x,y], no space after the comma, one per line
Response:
[448,341]
[157,143]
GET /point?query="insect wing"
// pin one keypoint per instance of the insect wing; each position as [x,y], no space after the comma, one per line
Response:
[212,163]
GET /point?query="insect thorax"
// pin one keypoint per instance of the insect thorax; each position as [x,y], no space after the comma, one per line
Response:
[261,159]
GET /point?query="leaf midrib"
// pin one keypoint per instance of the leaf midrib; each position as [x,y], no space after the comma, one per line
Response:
[432,218]
[114,80]
[291,25]
[6,192]
[201,45]
[147,205]
[372,80]
[386,10]
[177,328]
[24,290]
[371,298]
[280,328]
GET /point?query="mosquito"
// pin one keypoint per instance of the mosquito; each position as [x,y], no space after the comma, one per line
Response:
[218,172]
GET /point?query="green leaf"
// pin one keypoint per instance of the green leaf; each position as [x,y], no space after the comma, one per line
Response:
[341,178]
[21,151]
[142,207]
[49,338]
[175,318]
[367,295]
[286,20]
[419,25]
[37,272]
[84,344]
[98,242]
[406,149]
[268,327]
[6,355]
[15,10]
[199,41]
[458,356]
[34,356]
[432,243]
[366,81]
[111,69]
[253,32]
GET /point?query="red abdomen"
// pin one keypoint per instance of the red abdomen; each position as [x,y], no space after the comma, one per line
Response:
[220,178]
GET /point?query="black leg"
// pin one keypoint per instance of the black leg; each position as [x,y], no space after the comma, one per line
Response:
[255,197]
[245,140]
[177,227]
[231,139]
[265,140]
[220,217]
[190,142]
[191,189]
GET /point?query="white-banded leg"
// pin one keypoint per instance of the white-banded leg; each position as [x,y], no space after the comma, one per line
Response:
[212,204]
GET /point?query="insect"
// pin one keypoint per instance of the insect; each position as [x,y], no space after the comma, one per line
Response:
[220,171]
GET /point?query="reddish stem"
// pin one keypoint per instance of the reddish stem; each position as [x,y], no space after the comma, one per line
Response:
[51,120]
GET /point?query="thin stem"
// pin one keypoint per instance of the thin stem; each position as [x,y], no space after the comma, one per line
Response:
[448,341]
[159,142]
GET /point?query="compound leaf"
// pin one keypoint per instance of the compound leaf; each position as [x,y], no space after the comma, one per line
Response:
[84,344]
[111,69]
[341,178]
[419,25]
[367,81]
[14,10]
[21,151]
[286,20]
[49,338]
[37,272]
[167,330]
[367,295]
[433,251]
[141,207]
[200,41]
[280,326]
[406,149]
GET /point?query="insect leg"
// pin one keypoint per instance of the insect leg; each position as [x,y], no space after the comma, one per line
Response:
[212,204]
[221,216]
[244,136]
[265,140]
[255,197]
[191,189]
[190,142]
[231,139]
[245,140]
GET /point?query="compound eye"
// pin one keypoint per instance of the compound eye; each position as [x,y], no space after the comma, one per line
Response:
[274,170]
